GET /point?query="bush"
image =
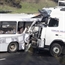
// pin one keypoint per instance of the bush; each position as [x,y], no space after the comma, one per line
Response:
[14,3]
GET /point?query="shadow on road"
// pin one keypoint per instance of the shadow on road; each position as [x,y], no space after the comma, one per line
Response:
[46,54]
[41,52]
[61,59]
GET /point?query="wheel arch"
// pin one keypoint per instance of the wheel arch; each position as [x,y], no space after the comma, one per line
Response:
[57,41]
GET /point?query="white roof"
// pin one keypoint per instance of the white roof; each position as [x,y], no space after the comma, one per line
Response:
[15,17]
[57,13]
[63,1]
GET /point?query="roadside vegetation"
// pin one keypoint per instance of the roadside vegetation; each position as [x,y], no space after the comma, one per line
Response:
[25,6]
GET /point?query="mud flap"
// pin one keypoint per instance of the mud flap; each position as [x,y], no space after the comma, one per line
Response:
[40,43]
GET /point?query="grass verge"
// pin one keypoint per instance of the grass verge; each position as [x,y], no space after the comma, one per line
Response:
[28,7]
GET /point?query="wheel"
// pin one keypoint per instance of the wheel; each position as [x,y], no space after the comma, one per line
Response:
[56,49]
[13,47]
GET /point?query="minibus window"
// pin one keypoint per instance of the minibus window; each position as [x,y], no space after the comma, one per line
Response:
[28,24]
[23,25]
[20,27]
[7,27]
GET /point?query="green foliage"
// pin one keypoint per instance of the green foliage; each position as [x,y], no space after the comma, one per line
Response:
[14,3]
[28,6]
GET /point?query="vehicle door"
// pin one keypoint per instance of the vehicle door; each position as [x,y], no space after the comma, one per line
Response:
[52,31]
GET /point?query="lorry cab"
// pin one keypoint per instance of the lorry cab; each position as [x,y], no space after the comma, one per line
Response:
[52,35]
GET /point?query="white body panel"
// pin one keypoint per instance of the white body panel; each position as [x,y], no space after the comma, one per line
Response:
[5,40]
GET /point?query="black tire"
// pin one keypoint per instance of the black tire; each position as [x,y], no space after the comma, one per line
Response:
[13,47]
[56,49]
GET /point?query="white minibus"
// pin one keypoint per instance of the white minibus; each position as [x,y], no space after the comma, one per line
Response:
[13,34]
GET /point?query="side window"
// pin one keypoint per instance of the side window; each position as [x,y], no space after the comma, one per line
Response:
[22,25]
[28,24]
[53,22]
[7,27]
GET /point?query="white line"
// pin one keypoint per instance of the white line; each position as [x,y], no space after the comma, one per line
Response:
[2,59]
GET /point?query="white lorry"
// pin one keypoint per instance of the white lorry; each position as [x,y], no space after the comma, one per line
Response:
[52,34]
[61,2]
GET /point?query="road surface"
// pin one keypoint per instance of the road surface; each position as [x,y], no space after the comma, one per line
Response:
[28,58]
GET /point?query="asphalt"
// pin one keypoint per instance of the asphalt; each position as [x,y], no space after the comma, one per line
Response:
[30,58]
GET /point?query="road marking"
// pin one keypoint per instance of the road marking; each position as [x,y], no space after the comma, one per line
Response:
[2,59]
